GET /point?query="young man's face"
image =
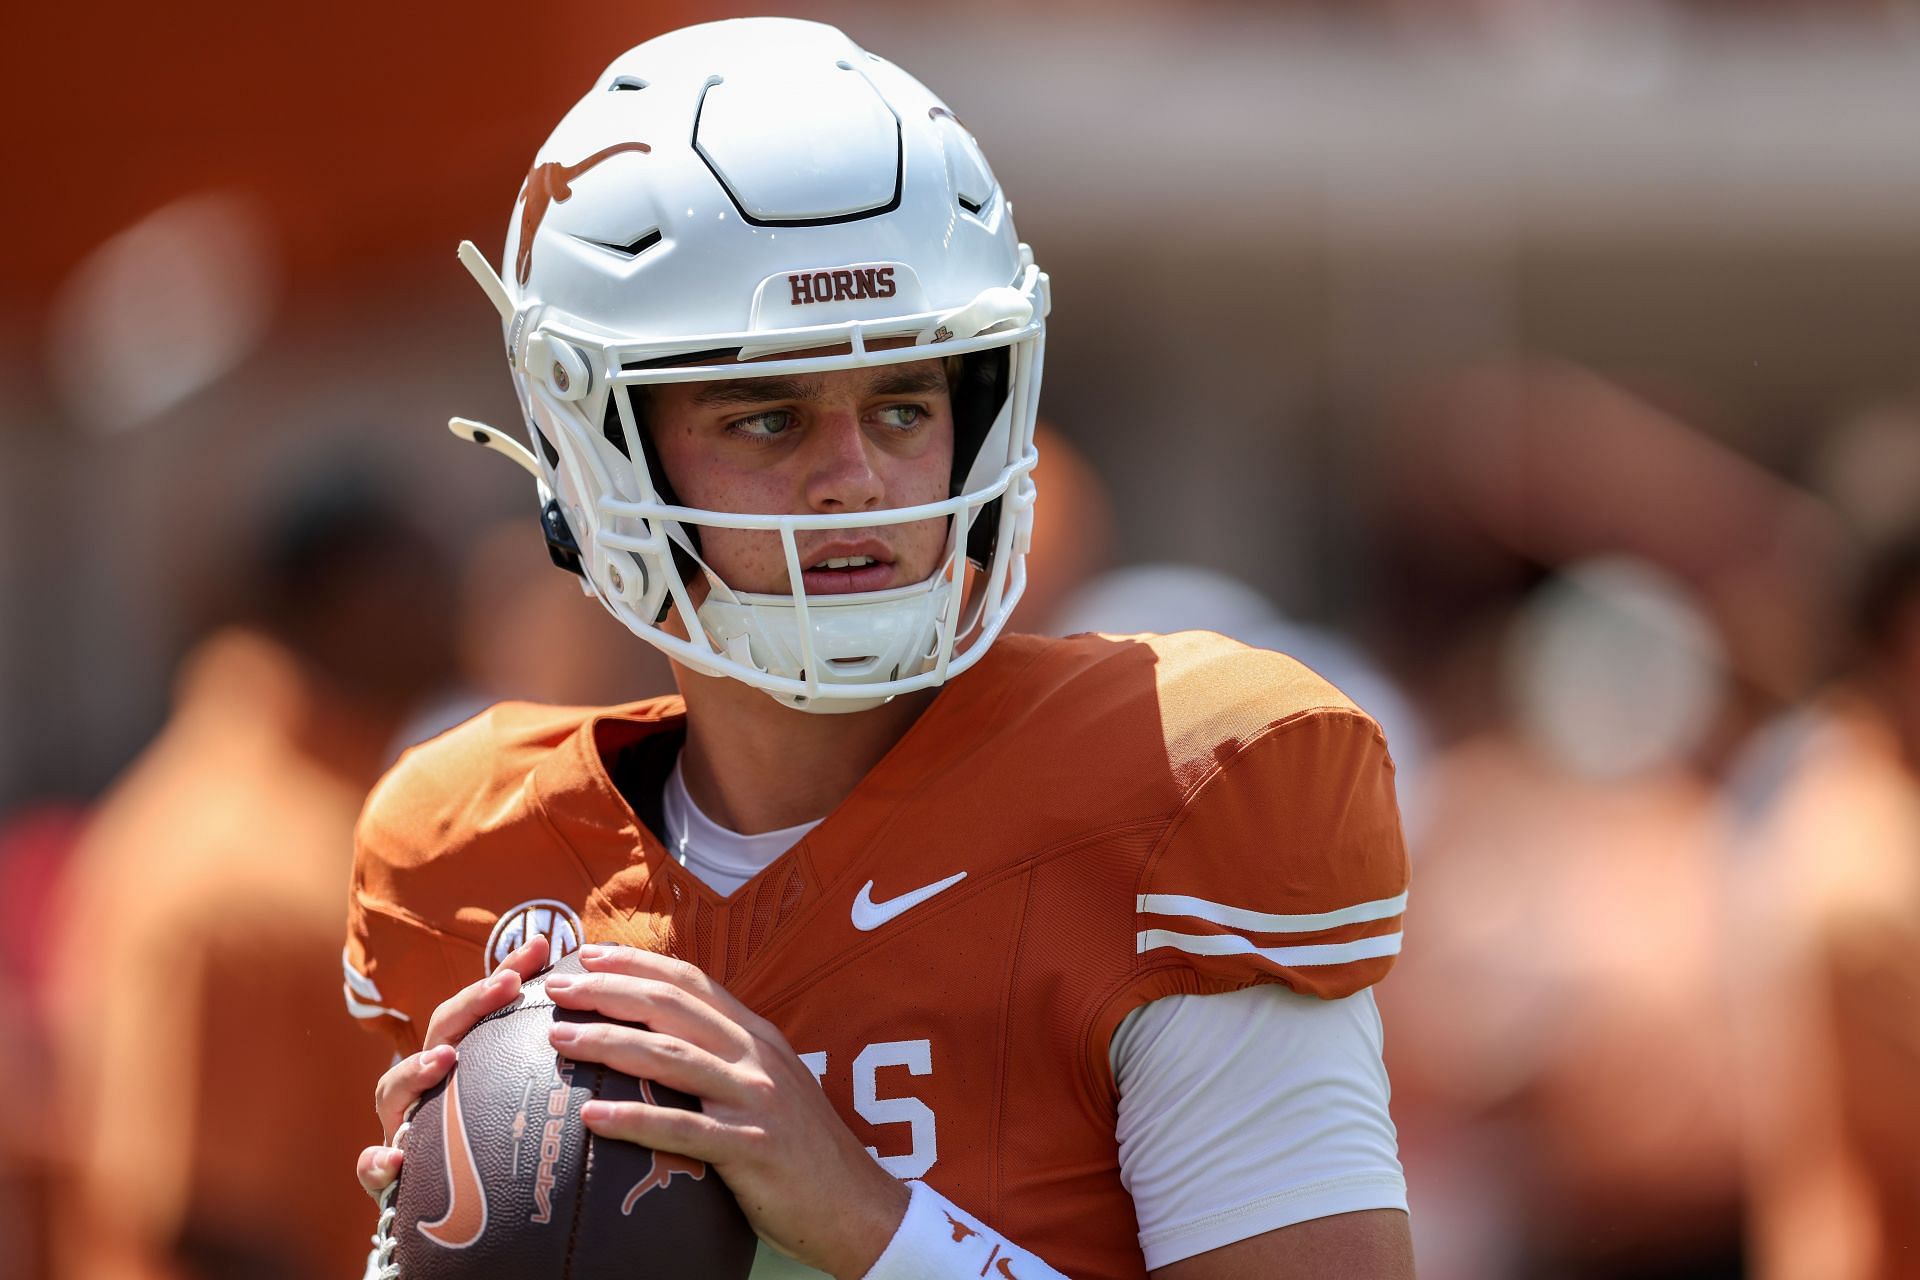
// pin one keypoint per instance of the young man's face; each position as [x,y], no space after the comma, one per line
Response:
[837,443]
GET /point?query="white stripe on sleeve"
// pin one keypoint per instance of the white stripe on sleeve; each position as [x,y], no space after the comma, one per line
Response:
[1232,944]
[1176,904]
[363,995]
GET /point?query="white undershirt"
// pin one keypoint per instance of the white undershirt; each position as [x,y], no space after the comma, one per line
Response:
[723,859]
[1239,1113]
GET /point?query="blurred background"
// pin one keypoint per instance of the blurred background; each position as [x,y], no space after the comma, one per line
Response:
[1545,372]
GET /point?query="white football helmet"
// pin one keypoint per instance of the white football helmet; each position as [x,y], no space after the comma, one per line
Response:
[731,192]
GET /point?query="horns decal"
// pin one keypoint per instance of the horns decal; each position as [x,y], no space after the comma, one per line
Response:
[550,184]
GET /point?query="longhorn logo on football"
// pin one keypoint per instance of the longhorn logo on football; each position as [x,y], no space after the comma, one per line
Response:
[665,1165]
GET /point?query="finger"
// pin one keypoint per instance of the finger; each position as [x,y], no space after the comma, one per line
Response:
[459,1011]
[527,959]
[405,1081]
[601,958]
[635,963]
[665,1008]
[650,1055]
[377,1168]
[671,1129]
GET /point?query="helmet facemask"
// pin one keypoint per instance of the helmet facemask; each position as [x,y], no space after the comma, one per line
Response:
[841,652]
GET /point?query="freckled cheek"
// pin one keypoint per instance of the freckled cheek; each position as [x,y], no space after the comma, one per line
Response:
[913,481]
[746,559]
[750,559]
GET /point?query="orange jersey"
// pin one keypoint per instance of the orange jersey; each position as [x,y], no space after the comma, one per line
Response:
[1072,828]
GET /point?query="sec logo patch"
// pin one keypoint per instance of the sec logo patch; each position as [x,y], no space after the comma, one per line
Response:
[542,917]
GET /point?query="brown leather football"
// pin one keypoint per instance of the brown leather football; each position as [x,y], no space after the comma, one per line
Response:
[502,1179]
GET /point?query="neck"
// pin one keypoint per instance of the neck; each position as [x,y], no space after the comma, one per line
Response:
[753,765]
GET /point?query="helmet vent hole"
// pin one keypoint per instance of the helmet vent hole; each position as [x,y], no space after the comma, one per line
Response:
[844,65]
[852,662]
[623,84]
[611,428]
[971,206]
[640,244]
[551,454]
[632,248]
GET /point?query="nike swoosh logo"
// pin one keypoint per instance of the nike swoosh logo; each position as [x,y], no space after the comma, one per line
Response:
[869,915]
[465,1220]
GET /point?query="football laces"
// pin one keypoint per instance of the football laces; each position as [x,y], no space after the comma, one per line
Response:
[384,1267]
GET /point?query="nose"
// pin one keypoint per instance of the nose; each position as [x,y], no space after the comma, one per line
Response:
[841,475]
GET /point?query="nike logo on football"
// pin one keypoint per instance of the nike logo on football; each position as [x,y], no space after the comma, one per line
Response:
[869,915]
[466,1217]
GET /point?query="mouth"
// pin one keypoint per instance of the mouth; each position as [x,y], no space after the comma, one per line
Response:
[845,568]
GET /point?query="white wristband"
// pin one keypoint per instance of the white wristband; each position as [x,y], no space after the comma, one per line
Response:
[938,1240]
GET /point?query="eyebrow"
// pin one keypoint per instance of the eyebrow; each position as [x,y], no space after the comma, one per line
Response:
[754,391]
[889,381]
[901,380]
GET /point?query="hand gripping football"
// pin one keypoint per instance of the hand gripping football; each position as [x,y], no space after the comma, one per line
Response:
[501,1179]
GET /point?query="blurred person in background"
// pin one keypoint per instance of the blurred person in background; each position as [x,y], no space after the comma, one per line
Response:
[1831,910]
[36,842]
[1072,534]
[1560,1052]
[209,1090]
[513,614]
[1502,471]
[516,612]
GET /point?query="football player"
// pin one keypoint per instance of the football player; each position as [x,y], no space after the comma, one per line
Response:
[984,953]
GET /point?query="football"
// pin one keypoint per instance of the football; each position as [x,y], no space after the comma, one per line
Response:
[501,1178]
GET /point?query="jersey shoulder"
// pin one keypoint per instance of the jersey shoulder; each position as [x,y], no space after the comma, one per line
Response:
[1274,850]
[1190,699]
[458,782]
[459,821]
[477,780]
